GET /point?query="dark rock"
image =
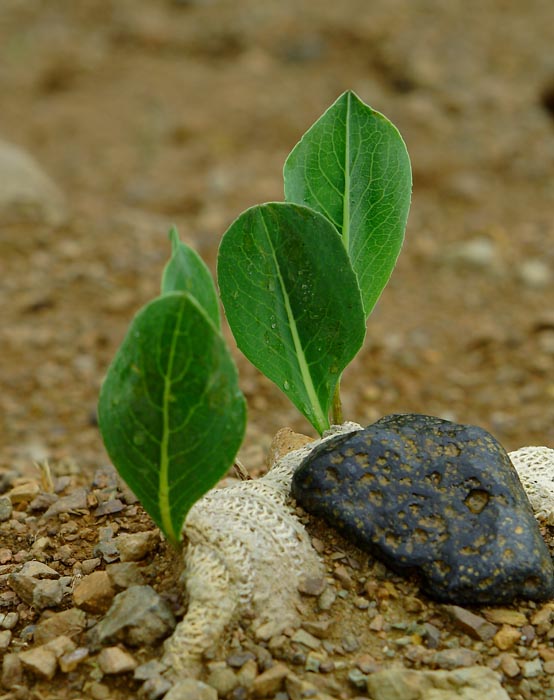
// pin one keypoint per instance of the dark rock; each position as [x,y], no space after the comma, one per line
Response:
[434,497]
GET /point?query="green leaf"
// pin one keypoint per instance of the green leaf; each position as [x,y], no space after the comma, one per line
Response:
[187,272]
[292,301]
[170,411]
[352,166]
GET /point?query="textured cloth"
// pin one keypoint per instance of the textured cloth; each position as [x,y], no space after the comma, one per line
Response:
[246,554]
[535,468]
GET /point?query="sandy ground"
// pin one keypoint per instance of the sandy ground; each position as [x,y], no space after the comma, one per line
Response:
[147,114]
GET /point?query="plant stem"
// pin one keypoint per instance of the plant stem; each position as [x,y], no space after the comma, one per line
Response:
[337,406]
[241,470]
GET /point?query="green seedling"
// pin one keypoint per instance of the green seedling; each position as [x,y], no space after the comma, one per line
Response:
[297,279]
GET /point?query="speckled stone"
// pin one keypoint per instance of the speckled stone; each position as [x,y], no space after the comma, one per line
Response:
[433,497]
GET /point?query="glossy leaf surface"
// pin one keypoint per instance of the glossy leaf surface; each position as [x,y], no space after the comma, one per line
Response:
[352,166]
[292,301]
[187,272]
[170,411]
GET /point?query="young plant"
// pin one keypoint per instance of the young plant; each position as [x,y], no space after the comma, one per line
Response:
[297,279]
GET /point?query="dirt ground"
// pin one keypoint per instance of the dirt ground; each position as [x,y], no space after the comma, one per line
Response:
[148,114]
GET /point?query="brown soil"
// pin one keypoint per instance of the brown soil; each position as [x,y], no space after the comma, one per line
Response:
[148,114]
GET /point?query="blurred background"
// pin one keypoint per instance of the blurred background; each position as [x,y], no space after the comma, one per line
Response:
[121,117]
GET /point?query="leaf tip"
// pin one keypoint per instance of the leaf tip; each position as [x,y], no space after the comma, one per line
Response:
[173,236]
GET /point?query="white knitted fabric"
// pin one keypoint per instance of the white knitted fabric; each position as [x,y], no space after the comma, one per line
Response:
[535,468]
[246,554]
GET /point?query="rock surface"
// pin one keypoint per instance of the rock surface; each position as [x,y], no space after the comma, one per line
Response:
[190,689]
[436,497]
[27,193]
[462,684]
[138,616]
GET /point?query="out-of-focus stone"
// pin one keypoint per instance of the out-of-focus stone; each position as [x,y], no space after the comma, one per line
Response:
[504,616]
[38,570]
[114,660]
[125,574]
[506,637]
[42,662]
[60,645]
[509,665]
[312,586]
[69,623]
[472,624]
[69,662]
[12,671]
[137,616]
[223,680]
[48,594]
[461,684]
[191,689]
[5,639]
[455,658]
[75,502]
[5,508]
[269,682]
[94,593]
[136,546]
[27,195]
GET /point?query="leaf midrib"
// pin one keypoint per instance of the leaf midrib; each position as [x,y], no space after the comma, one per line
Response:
[164,500]
[346,196]
[322,422]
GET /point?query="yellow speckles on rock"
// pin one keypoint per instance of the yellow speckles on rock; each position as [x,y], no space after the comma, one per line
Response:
[436,496]
[477,500]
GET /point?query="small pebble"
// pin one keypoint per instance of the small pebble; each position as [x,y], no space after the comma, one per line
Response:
[40,661]
[509,665]
[312,586]
[455,658]
[136,546]
[223,680]
[350,643]
[5,639]
[506,637]
[114,660]
[474,625]
[503,616]
[237,660]
[531,669]
[94,593]
[326,599]
[12,671]
[320,628]
[357,678]
[307,639]
[69,662]
[270,681]
[155,688]
[342,575]
[5,508]
[248,673]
